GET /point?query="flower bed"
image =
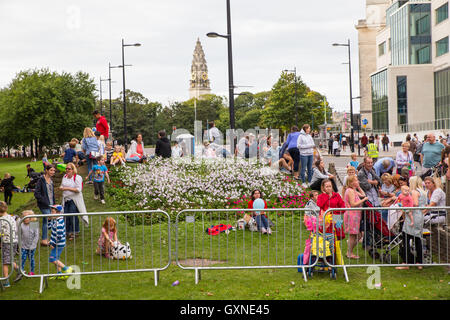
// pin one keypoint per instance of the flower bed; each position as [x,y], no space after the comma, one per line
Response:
[175,185]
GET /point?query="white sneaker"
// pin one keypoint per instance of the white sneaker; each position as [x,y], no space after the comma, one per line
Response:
[103,201]
[263,230]
[95,197]
[269,231]
[305,185]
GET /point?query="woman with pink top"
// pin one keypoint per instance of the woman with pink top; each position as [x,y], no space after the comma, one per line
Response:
[354,197]
[404,158]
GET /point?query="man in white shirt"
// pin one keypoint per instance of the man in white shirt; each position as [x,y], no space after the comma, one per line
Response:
[214,134]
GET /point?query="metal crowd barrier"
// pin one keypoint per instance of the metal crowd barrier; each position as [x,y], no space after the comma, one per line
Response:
[382,240]
[237,248]
[11,250]
[147,232]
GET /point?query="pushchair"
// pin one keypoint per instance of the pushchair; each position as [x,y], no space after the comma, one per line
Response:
[34,178]
[325,247]
[376,231]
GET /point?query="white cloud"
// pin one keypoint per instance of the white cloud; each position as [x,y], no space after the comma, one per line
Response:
[268,36]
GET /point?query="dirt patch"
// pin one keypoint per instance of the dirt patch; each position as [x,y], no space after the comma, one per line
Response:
[198,262]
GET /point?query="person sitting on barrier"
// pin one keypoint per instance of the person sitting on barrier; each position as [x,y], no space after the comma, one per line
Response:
[354,198]
[261,219]
[414,232]
[107,237]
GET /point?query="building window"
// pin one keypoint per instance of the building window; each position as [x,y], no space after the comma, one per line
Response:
[380,113]
[382,49]
[442,13]
[442,94]
[402,100]
[423,25]
[441,47]
[423,55]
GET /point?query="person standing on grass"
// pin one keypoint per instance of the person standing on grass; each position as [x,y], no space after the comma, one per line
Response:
[99,171]
[45,196]
[306,146]
[293,149]
[8,229]
[58,239]
[102,124]
[354,198]
[8,186]
[71,187]
[90,148]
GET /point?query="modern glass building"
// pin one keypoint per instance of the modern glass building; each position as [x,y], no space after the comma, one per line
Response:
[411,83]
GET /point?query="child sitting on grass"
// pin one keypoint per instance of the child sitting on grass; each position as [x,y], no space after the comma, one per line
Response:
[117,156]
[70,153]
[107,237]
[8,229]
[57,240]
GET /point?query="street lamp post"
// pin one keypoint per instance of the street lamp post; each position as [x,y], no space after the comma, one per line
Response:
[124,96]
[352,146]
[295,93]
[101,99]
[230,70]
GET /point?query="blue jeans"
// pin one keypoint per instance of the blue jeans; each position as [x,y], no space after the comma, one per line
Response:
[72,223]
[307,162]
[90,164]
[45,224]
[28,253]
[55,254]
[261,221]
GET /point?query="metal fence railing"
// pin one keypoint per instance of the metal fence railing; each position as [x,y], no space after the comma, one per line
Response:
[388,237]
[222,239]
[144,245]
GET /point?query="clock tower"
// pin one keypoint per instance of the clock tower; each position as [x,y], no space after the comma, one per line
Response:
[199,82]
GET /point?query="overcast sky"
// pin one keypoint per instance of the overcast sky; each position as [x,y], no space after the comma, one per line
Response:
[268,36]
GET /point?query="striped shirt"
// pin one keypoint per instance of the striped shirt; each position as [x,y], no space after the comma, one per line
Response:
[58,235]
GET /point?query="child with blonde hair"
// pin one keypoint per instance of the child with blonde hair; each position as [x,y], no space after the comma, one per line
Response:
[351,171]
[107,237]
[30,237]
[117,156]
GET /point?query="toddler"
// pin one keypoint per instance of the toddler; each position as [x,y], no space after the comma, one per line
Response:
[8,229]
[354,163]
[30,238]
[109,152]
[107,237]
[70,153]
[8,187]
[406,200]
[57,240]
[117,156]
[99,172]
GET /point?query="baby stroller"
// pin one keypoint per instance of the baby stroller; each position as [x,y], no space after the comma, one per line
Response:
[34,178]
[377,233]
[324,247]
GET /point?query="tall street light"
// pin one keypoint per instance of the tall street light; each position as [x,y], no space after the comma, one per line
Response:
[101,100]
[352,145]
[230,70]
[295,94]
[124,96]
[110,102]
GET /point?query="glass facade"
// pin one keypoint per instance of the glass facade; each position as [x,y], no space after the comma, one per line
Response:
[402,100]
[441,47]
[400,37]
[442,94]
[420,33]
[442,13]
[380,112]
[411,34]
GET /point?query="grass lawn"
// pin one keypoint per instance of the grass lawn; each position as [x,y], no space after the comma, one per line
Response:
[149,244]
